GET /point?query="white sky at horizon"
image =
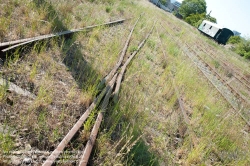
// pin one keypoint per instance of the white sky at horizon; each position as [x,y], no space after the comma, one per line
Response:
[231,14]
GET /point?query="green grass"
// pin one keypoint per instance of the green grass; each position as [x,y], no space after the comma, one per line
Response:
[142,128]
[6,142]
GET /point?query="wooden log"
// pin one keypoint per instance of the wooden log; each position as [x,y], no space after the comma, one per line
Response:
[14,88]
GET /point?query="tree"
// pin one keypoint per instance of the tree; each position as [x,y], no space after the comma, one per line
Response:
[241,46]
[194,12]
[234,40]
[211,19]
[163,2]
[196,19]
[189,7]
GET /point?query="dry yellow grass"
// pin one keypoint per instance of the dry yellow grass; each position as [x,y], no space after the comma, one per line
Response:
[146,127]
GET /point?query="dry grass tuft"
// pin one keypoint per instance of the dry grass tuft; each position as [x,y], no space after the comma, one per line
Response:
[146,126]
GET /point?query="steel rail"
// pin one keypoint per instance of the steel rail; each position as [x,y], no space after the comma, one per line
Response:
[87,151]
[233,90]
[223,59]
[235,108]
[54,155]
[123,68]
[91,141]
[122,54]
[225,65]
[89,146]
[27,41]
[220,58]
[220,77]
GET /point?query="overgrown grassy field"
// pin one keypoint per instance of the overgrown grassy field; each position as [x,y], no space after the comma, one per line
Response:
[146,126]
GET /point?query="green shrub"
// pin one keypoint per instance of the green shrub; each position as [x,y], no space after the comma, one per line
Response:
[234,39]
[108,9]
[247,55]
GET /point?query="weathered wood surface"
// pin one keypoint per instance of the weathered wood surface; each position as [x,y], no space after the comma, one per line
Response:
[14,88]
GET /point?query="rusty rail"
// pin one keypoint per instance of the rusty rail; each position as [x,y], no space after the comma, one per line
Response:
[89,146]
[123,68]
[122,54]
[181,104]
[214,71]
[238,76]
[219,78]
[90,143]
[107,92]
[30,40]
[54,155]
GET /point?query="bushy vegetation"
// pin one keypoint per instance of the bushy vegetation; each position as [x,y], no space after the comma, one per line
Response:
[194,12]
[241,46]
[163,2]
[189,7]
[196,19]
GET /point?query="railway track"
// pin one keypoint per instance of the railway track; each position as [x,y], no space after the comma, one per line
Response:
[236,74]
[110,86]
[108,92]
[217,55]
[225,64]
[112,83]
[230,94]
[7,46]
[184,112]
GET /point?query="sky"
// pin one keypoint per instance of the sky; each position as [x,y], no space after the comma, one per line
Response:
[232,14]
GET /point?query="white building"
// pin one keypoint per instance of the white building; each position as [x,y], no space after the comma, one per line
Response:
[169,5]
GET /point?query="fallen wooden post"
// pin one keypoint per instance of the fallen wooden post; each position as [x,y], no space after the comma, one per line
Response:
[14,88]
